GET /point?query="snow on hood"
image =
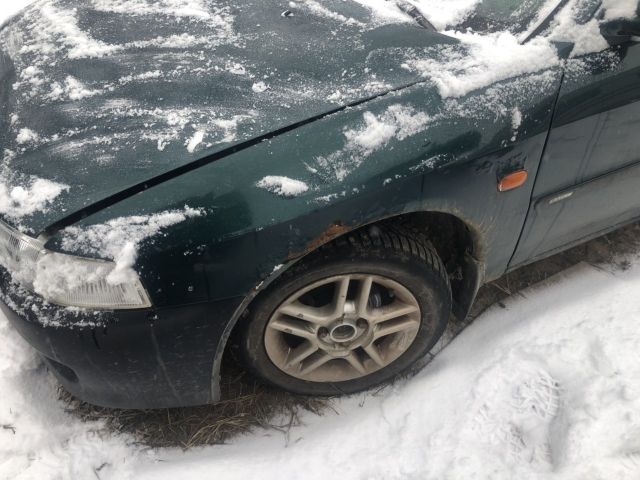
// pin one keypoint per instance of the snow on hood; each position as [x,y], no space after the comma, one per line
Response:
[100,95]
[397,122]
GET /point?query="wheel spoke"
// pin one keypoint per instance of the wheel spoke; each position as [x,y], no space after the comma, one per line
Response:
[293,327]
[333,331]
[340,297]
[363,295]
[303,312]
[299,354]
[355,362]
[313,364]
[389,312]
[394,326]
[374,354]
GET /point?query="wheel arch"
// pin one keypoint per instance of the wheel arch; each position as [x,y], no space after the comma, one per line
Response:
[459,244]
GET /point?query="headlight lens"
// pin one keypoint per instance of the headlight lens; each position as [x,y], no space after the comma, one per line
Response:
[66,279]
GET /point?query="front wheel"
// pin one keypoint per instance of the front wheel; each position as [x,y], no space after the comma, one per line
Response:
[353,315]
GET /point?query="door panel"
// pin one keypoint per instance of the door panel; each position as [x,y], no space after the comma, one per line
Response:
[579,212]
[589,178]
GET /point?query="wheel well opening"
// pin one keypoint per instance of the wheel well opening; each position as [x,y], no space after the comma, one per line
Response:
[456,243]
[459,249]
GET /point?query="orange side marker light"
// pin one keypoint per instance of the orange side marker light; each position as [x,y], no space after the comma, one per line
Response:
[513,181]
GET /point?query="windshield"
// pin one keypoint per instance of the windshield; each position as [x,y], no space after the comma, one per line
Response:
[519,16]
[513,15]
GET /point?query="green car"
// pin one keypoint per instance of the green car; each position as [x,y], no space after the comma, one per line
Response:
[320,185]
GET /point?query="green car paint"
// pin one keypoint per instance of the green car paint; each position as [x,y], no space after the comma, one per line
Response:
[255,230]
[542,123]
[154,98]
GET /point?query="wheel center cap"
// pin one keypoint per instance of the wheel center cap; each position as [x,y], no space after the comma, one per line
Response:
[344,332]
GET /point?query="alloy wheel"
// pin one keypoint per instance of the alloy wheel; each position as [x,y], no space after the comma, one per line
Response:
[342,328]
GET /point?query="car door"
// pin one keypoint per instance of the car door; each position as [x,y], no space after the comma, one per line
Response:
[589,177]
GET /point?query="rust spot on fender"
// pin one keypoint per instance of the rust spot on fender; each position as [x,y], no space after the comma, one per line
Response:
[332,232]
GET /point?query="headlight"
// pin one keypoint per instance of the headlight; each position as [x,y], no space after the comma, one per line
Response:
[66,279]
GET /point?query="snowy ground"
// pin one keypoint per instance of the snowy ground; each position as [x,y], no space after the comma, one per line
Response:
[546,386]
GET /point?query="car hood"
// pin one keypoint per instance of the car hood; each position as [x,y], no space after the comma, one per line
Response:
[97,96]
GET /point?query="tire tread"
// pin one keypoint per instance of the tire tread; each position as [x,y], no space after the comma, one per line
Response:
[400,239]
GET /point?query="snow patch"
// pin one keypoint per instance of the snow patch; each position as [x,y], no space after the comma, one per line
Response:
[321,10]
[396,122]
[229,126]
[457,70]
[259,87]
[620,9]
[543,13]
[23,200]
[38,437]
[236,69]
[516,122]
[442,13]
[177,41]
[196,140]
[117,240]
[171,124]
[197,9]
[26,135]
[385,11]
[140,77]
[567,27]
[57,27]
[515,412]
[9,9]
[283,186]
[51,31]
[73,89]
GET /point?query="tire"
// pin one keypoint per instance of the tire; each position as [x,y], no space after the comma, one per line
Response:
[404,271]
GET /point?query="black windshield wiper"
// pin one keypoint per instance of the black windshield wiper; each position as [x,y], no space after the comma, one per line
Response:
[546,22]
[414,13]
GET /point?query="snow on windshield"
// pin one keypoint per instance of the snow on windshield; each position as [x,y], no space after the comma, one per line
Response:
[482,59]
[442,13]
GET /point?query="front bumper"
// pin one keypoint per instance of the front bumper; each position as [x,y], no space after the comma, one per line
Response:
[128,359]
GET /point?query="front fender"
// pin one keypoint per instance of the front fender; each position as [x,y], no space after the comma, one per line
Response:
[404,152]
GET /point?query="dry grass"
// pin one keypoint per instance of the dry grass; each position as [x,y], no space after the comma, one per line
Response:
[247,405]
